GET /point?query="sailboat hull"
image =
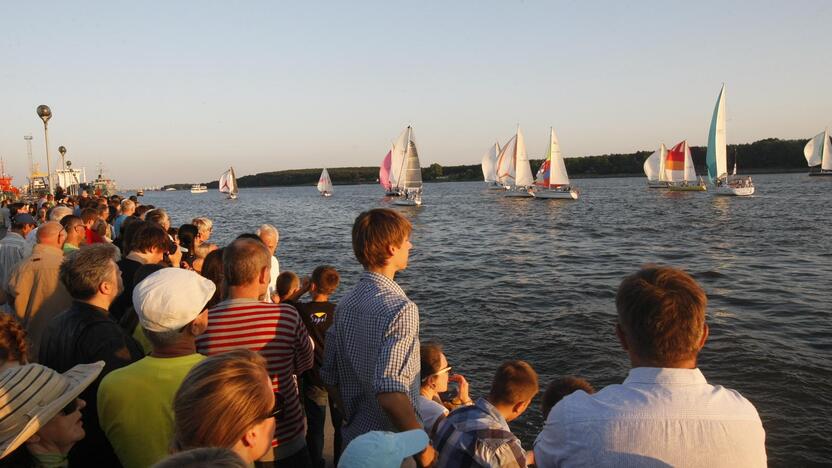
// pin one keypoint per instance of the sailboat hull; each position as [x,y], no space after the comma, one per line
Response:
[518,193]
[232,196]
[655,184]
[407,202]
[727,190]
[821,173]
[687,188]
[556,195]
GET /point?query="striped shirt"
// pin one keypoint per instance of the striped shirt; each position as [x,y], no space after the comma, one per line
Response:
[278,334]
[371,348]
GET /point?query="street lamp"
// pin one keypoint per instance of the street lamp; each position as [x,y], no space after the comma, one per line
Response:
[45,113]
[63,181]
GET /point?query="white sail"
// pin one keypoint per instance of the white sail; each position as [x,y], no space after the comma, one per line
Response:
[690,171]
[324,182]
[412,174]
[717,157]
[397,159]
[663,163]
[557,167]
[524,176]
[506,165]
[652,165]
[228,182]
[817,151]
[489,163]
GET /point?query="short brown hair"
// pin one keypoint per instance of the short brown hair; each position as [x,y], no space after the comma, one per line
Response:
[85,269]
[561,387]
[284,282]
[515,381]
[147,236]
[89,214]
[376,230]
[243,260]
[661,310]
[326,279]
[219,399]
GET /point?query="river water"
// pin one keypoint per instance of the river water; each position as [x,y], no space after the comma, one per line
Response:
[499,279]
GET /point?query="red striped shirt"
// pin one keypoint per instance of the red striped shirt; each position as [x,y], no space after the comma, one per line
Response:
[276,332]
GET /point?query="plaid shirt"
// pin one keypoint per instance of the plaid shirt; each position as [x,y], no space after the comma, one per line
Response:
[371,348]
[477,435]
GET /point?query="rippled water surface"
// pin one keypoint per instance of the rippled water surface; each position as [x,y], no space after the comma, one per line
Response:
[499,278]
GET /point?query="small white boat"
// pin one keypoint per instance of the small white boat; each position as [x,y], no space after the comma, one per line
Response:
[199,188]
[717,159]
[325,184]
[228,184]
[489,168]
[552,181]
[819,154]
[406,169]
[679,170]
[170,189]
[513,168]
[654,168]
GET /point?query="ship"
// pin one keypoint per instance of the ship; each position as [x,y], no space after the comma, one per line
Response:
[103,186]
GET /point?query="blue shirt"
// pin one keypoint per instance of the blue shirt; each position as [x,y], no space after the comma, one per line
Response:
[477,435]
[371,348]
[117,225]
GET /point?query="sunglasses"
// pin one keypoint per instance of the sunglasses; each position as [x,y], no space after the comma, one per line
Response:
[71,407]
[439,372]
[277,411]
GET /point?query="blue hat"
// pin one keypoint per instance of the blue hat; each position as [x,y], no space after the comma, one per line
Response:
[23,218]
[379,449]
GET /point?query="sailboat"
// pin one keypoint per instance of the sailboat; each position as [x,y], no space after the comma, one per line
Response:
[679,170]
[408,173]
[228,183]
[489,167]
[654,168]
[516,172]
[819,152]
[718,158]
[325,184]
[385,177]
[552,180]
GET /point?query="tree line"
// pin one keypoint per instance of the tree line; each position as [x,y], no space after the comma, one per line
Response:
[768,155]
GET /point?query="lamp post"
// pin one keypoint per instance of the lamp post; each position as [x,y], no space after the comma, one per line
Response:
[63,181]
[45,113]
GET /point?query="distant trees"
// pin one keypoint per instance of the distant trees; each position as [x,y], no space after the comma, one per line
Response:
[770,154]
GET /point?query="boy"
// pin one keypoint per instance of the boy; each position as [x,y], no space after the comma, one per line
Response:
[287,288]
[561,387]
[318,315]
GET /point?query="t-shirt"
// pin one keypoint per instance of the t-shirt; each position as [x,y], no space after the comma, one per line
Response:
[429,412]
[318,317]
[128,269]
[135,407]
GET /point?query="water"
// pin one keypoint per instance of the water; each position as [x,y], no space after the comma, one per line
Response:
[499,279]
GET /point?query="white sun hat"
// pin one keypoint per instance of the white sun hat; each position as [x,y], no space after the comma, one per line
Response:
[380,449]
[171,298]
[32,394]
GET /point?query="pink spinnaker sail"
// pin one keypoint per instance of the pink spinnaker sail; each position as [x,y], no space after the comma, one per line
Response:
[384,171]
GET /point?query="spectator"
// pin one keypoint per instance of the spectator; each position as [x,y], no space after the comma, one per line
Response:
[371,358]
[90,218]
[170,304]
[559,388]
[148,245]
[200,252]
[226,401]
[271,238]
[287,288]
[379,449]
[188,239]
[85,333]
[128,207]
[478,435]
[35,290]
[41,411]
[56,214]
[75,233]
[158,216]
[435,374]
[204,228]
[14,348]
[665,412]
[212,269]
[280,337]
[11,250]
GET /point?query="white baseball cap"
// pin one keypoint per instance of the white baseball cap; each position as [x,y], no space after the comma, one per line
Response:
[171,298]
[379,449]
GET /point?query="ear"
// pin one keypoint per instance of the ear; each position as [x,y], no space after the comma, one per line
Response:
[313,287]
[519,407]
[265,275]
[705,332]
[622,338]
[249,438]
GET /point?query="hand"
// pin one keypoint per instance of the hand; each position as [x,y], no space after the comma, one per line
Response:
[426,458]
[463,387]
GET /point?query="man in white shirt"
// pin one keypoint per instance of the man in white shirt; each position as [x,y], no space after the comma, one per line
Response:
[665,413]
[271,237]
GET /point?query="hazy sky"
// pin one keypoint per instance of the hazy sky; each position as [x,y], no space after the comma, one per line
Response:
[177,91]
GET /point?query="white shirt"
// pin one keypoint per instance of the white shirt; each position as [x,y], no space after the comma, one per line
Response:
[658,416]
[275,271]
[429,411]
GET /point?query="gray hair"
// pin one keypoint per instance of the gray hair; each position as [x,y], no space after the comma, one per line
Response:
[84,270]
[162,339]
[202,224]
[59,212]
[267,228]
[156,215]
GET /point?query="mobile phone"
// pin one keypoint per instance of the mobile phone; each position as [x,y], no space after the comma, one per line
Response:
[451,393]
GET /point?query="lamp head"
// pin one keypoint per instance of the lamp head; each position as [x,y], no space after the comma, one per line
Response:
[44,112]
[62,150]
[68,163]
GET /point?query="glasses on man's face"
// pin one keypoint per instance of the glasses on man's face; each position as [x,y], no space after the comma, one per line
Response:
[70,408]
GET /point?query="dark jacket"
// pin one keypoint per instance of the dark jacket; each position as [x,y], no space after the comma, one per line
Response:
[83,334]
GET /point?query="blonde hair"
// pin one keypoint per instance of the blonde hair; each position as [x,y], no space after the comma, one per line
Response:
[220,398]
[202,224]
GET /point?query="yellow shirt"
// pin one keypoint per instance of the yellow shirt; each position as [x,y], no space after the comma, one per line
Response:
[135,407]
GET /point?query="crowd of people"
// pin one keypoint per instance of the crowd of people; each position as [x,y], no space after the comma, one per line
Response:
[126,341]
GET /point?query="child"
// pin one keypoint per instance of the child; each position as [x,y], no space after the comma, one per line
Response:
[560,388]
[318,316]
[287,288]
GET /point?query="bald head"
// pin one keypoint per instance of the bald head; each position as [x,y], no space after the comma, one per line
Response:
[51,234]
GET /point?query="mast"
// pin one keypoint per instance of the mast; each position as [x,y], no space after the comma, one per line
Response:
[403,169]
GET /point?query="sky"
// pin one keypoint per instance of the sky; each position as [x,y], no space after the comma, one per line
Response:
[166,92]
